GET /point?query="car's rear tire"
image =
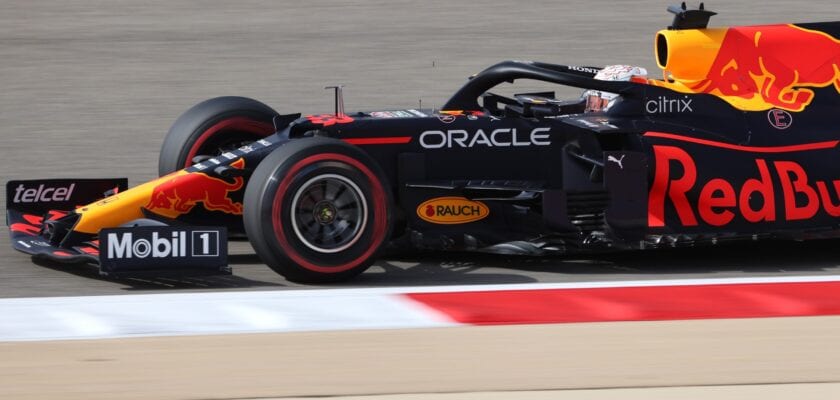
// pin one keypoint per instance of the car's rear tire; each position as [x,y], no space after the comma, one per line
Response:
[318,210]
[213,127]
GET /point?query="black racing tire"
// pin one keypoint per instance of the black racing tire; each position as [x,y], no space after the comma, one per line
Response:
[212,127]
[318,210]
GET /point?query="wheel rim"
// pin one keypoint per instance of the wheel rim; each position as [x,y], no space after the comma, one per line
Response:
[329,213]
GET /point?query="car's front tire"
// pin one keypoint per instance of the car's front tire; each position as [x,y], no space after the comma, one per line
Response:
[214,126]
[318,210]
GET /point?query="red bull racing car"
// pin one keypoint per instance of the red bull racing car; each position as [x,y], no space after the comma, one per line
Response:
[737,141]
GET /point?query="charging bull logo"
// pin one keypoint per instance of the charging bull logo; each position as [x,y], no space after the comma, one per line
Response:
[764,67]
[721,201]
[181,193]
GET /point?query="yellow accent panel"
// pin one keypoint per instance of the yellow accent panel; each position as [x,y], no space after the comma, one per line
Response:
[690,52]
[118,209]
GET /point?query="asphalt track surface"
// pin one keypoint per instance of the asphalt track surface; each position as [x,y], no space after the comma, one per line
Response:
[89,88]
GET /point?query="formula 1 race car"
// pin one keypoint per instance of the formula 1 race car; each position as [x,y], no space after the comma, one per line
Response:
[737,142]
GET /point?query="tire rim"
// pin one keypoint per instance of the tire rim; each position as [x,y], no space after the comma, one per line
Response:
[329,213]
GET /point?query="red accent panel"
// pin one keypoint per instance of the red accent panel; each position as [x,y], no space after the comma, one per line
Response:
[30,230]
[383,140]
[89,250]
[33,219]
[31,227]
[753,149]
[637,303]
[53,215]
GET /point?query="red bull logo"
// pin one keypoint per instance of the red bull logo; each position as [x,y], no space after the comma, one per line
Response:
[719,201]
[183,191]
[764,67]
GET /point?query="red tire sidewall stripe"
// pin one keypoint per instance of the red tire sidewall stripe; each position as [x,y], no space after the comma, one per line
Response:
[380,222]
[237,123]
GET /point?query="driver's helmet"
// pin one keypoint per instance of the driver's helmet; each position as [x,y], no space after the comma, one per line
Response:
[597,100]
